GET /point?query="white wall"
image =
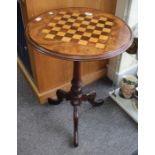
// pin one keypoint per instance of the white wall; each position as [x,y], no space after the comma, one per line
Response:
[125,63]
[133,15]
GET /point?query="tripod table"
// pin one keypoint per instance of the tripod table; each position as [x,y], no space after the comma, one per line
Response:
[78,34]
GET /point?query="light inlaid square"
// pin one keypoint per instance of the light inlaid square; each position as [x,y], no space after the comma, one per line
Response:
[71,20]
[94,21]
[62,12]
[46,31]
[103,37]
[85,22]
[67,16]
[106,30]
[109,23]
[89,17]
[99,45]
[94,40]
[49,36]
[83,42]
[61,22]
[66,27]
[76,24]
[76,36]
[61,34]
[103,18]
[57,18]
[97,32]
[66,39]
[100,25]
[81,29]
[56,28]
[80,18]
[71,31]
[75,14]
[51,24]
[87,34]
[91,27]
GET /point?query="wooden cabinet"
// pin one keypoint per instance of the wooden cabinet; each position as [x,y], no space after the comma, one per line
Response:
[49,73]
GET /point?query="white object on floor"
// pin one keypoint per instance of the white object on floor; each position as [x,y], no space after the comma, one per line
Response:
[128,105]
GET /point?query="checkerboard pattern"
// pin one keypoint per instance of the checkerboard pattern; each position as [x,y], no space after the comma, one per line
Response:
[79,28]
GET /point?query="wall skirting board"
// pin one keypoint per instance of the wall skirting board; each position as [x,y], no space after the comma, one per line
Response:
[117,76]
[42,97]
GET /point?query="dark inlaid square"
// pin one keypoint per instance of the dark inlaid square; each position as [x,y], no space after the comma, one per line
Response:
[79,32]
[105,33]
[84,38]
[49,27]
[89,30]
[95,17]
[65,19]
[101,22]
[74,17]
[58,37]
[98,28]
[69,23]
[95,35]
[69,35]
[78,21]
[74,28]
[88,19]
[83,25]
[63,30]
[93,24]
[53,32]
[107,26]
[69,13]
[82,15]
[58,25]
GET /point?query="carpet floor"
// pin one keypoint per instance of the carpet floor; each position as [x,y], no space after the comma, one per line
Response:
[47,130]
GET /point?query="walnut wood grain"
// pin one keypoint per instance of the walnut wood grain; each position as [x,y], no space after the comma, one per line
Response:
[119,39]
[44,66]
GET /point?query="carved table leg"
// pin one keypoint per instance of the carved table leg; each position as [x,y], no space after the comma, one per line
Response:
[75,96]
[60,96]
[75,119]
[90,97]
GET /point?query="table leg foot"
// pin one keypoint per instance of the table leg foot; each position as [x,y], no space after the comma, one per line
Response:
[91,98]
[61,95]
[98,102]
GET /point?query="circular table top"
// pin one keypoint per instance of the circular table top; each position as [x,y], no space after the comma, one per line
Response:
[79,34]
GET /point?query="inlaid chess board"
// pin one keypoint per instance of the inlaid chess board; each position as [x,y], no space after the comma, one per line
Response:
[79,34]
[79,28]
